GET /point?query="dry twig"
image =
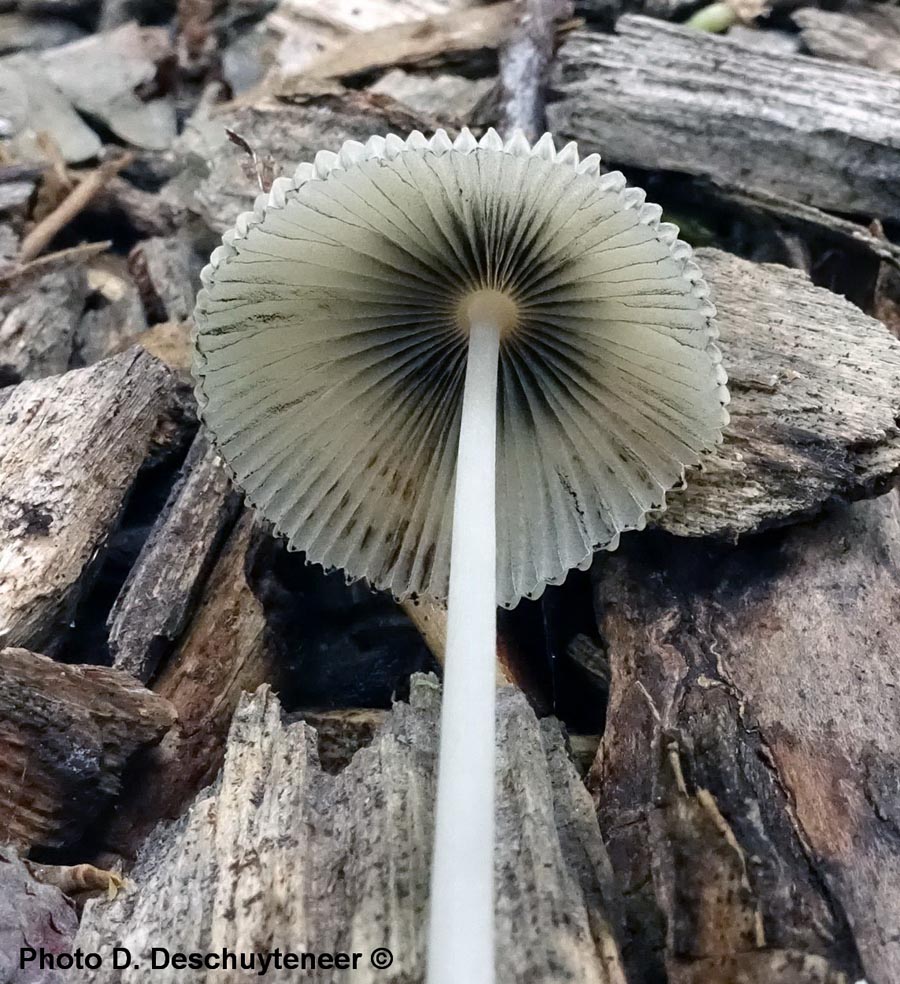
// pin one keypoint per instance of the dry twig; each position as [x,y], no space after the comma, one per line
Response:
[71,206]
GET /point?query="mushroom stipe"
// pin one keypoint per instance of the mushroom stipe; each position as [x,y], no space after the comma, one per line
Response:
[457,368]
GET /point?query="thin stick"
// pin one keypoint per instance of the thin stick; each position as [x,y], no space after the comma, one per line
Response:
[525,65]
[74,203]
[461,928]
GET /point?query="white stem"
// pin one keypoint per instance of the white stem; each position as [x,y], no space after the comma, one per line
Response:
[461,926]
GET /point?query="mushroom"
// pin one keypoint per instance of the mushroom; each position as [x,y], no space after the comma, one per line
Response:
[406,324]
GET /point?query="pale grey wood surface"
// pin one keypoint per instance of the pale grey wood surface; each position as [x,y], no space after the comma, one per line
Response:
[341,862]
[815,391]
[657,95]
[861,34]
[39,319]
[157,599]
[70,448]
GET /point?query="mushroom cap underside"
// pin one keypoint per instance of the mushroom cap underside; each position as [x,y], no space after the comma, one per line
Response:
[331,348]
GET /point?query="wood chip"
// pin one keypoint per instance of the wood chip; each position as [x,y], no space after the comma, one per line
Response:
[867,35]
[39,317]
[66,733]
[444,95]
[659,96]
[33,104]
[31,914]
[815,401]
[307,28]
[224,652]
[102,75]
[772,666]
[167,271]
[158,598]
[342,860]
[283,132]
[70,448]
[431,42]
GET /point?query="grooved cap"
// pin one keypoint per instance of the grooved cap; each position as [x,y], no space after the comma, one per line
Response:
[331,340]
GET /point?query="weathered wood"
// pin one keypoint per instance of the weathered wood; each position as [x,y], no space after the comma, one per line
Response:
[66,733]
[219,182]
[304,32]
[770,671]
[866,34]
[104,74]
[808,219]
[223,652]
[331,863]
[452,97]
[815,390]
[39,317]
[427,42]
[525,65]
[167,272]
[342,733]
[157,599]
[31,914]
[32,104]
[660,96]
[114,311]
[70,448]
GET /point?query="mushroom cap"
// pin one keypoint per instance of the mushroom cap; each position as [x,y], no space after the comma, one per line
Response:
[331,343]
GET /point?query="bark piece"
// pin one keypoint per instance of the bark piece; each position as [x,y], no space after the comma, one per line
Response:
[32,104]
[102,75]
[167,271]
[807,219]
[66,733]
[815,400]
[31,914]
[70,448]
[305,33]
[525,65]
[156,601]
[40,312]
[659,96]
[219,181]
[223,652]
[341,862]
[866,35]
[423,42]
[114,312]
[771,669]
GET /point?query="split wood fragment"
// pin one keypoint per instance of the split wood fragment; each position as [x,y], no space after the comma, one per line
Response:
[70,449]
[66,733]
[660,96]
[772,668]
[267,813]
